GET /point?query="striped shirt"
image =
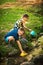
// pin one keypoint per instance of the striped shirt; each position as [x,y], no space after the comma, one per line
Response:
[18,24]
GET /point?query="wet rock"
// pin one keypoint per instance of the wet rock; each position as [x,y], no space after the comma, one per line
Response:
[38,60]
[29,57]
[27,63]
[16,60]
[35,52]
[3,61]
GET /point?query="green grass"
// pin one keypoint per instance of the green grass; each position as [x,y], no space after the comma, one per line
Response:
[9,16]
[4,1]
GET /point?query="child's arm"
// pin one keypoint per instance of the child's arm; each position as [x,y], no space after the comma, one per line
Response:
[26,28]
[19,45]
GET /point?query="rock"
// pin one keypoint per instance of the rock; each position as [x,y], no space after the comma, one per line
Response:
[27,63]
[29,57]
[33,53]
[16,60]
[3,61]
[38,60]
[40,39]
[36,51]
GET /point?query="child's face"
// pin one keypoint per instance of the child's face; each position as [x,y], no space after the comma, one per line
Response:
[25,19]
[21,33]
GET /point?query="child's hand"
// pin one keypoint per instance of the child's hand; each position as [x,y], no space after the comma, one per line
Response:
[30,30]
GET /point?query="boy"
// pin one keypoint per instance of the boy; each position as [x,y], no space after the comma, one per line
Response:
[21,23]
[14,35]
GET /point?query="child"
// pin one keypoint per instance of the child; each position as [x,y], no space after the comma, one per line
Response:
[21,23]
[14,35]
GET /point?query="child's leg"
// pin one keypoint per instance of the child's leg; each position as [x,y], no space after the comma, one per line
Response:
[9,39]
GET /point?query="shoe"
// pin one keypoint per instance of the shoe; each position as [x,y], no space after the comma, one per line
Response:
[23,54]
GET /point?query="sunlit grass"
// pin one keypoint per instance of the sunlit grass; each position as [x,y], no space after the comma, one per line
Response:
[9,16]
[4,1]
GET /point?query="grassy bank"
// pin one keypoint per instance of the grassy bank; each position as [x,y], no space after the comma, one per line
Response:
[4,1]
[9,16]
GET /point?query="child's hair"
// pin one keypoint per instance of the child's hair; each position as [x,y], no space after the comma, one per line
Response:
[25,15]
[21,29]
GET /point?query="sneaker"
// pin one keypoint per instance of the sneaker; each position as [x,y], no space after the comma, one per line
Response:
[23,54]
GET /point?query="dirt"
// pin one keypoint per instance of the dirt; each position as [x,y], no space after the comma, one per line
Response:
[16,4]
[7,5]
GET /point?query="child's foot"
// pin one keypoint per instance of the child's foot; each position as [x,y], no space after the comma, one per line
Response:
[23,54]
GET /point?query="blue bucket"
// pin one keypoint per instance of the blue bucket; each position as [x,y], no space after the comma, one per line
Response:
[33,33]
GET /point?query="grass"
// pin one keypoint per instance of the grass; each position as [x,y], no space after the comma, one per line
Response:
[9,16]
[4,1]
